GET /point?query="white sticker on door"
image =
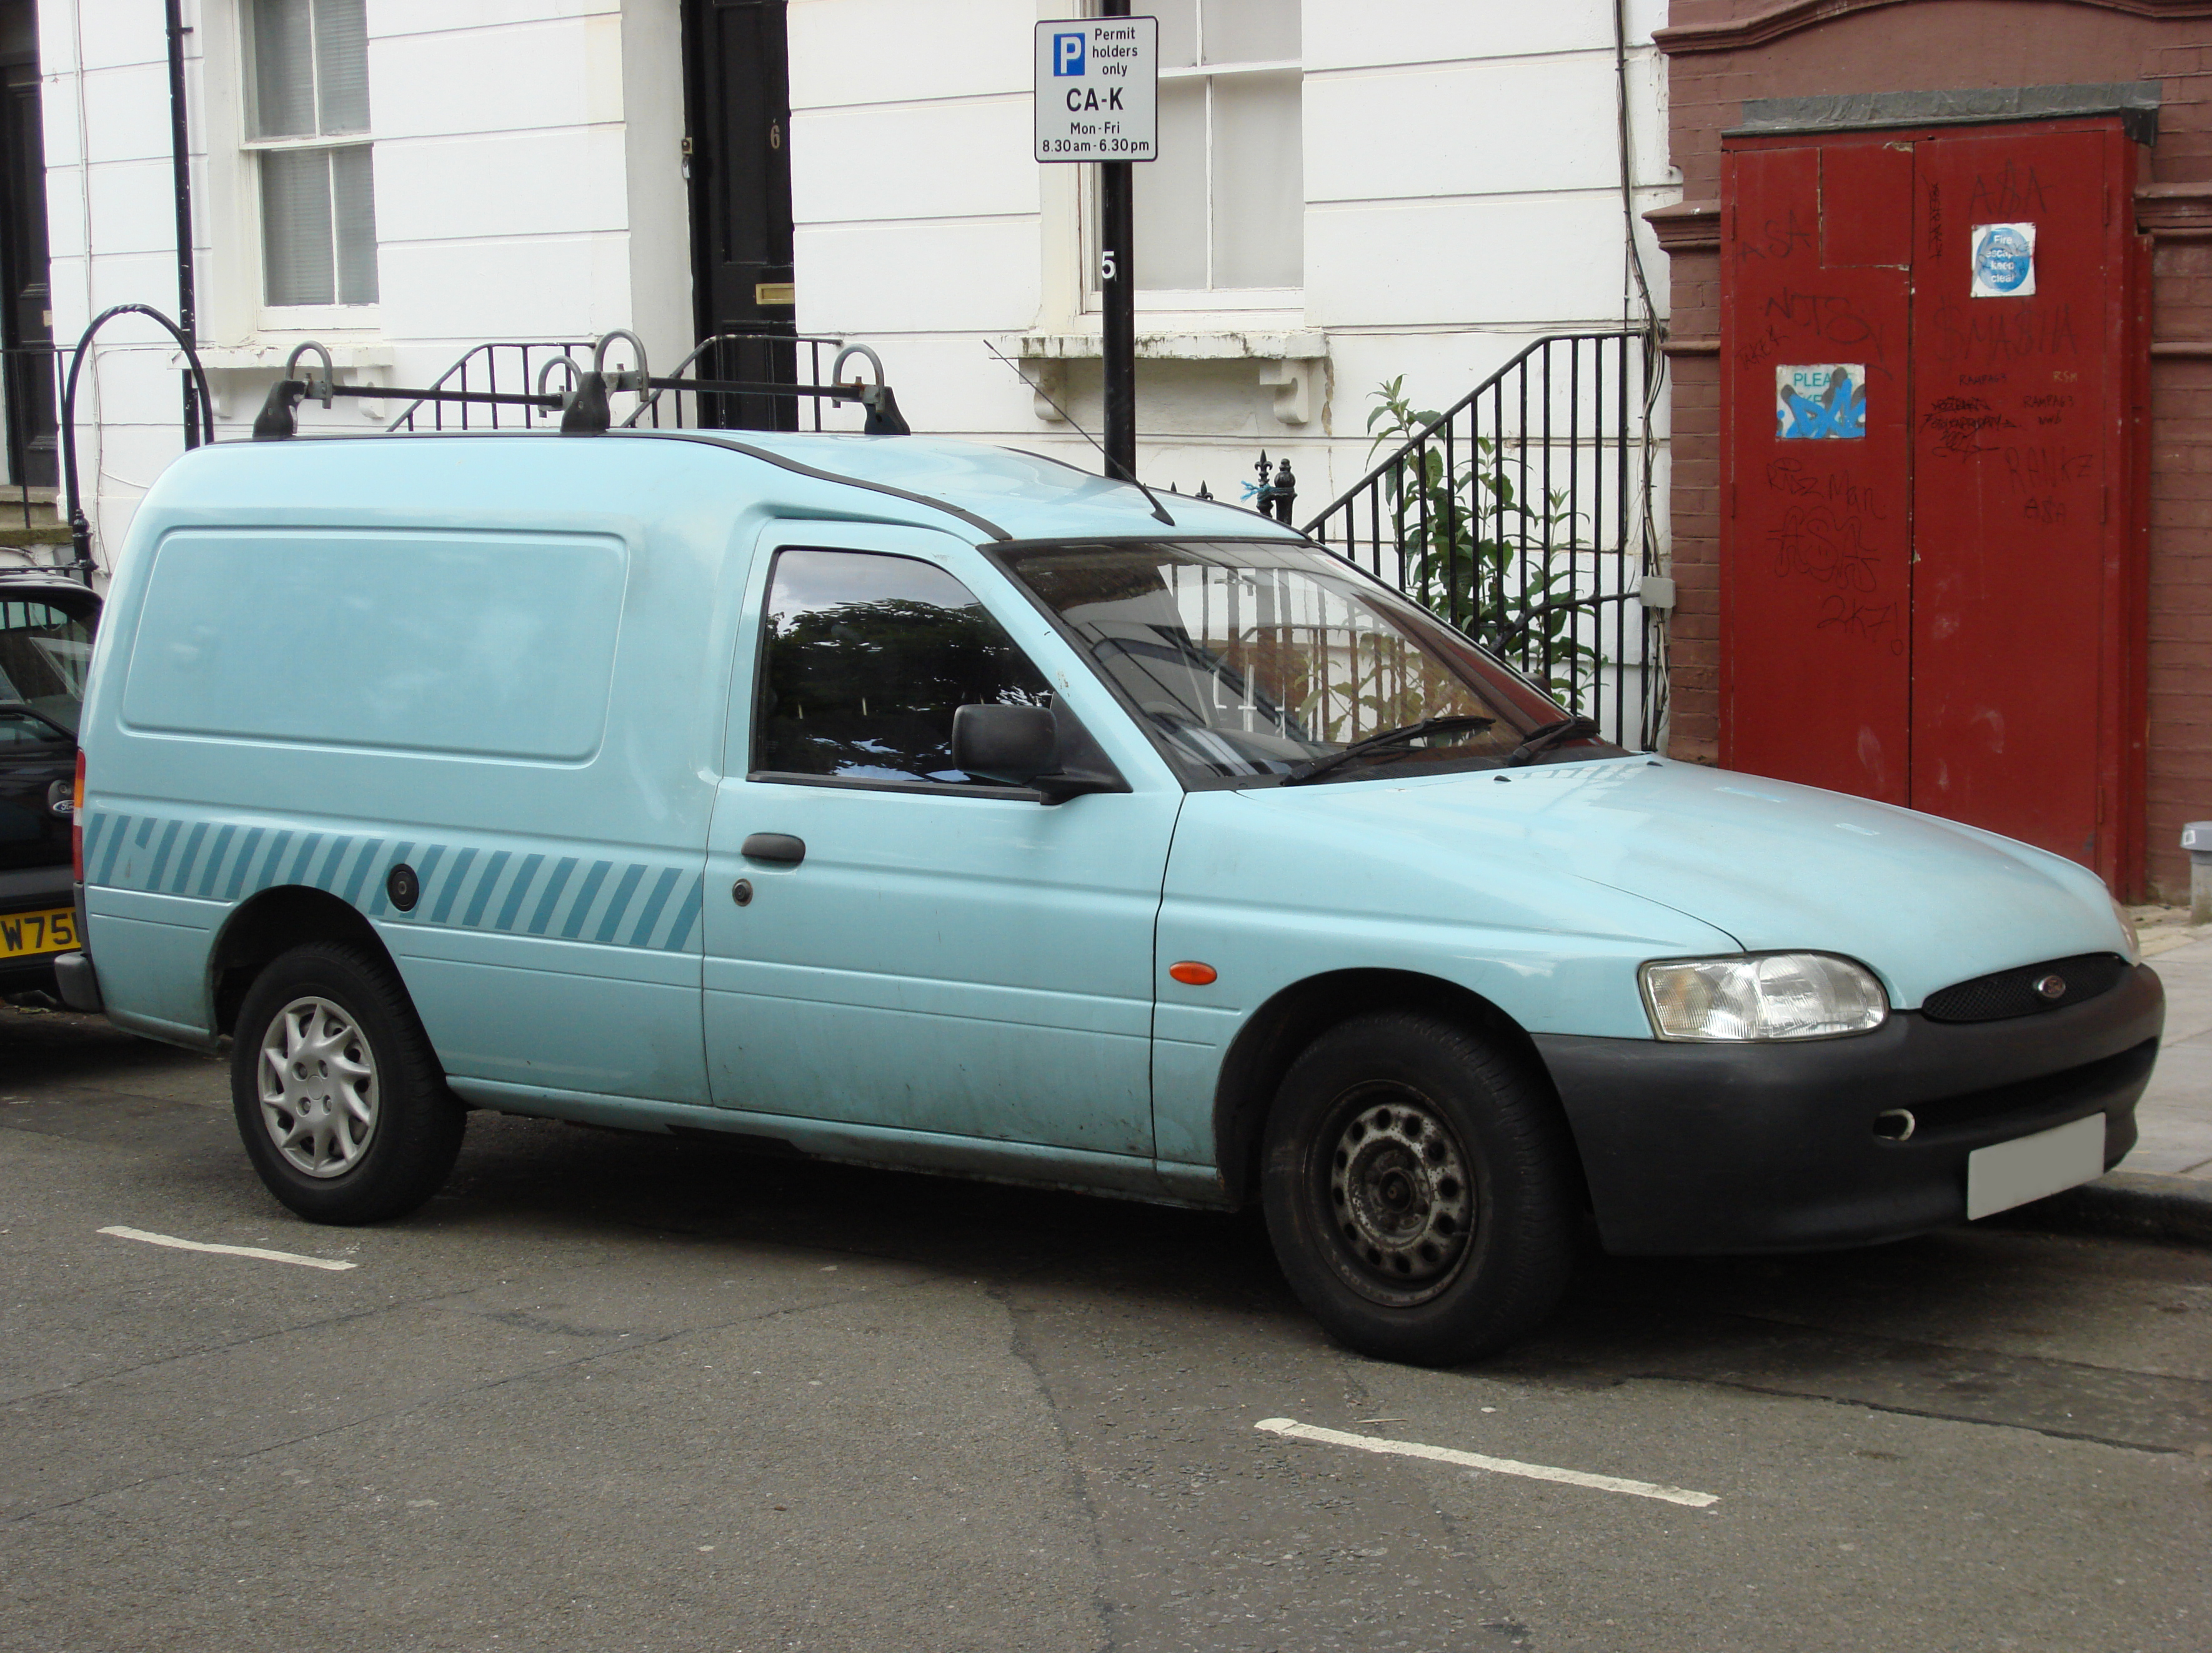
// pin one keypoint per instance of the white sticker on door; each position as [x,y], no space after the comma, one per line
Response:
[2004,261]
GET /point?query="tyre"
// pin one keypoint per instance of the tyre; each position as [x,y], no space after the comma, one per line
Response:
[1418,1189]
[340,1100]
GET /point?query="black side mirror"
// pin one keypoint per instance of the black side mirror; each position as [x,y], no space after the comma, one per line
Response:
[1010,744]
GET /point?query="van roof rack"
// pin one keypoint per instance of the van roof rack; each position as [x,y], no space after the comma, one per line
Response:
[582,400]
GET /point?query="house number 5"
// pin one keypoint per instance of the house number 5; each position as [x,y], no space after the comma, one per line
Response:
[1106,265]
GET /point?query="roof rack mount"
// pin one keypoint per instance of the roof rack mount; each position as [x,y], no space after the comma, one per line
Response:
[583,406]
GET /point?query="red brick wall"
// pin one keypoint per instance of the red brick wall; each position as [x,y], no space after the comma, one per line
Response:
[1721,51]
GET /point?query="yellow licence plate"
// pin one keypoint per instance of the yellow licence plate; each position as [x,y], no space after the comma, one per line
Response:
[23,935]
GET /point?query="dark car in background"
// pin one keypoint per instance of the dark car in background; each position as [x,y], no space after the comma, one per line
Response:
[46,625]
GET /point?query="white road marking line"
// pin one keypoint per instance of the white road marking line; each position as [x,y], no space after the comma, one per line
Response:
[176,1244]
[1642,1489]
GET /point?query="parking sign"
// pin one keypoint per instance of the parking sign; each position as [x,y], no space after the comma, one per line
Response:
[1097,88]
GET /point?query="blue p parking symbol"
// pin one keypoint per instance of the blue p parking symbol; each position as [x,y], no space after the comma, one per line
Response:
[1068,53]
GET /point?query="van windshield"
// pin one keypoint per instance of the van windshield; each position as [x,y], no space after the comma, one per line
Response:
[1259,663]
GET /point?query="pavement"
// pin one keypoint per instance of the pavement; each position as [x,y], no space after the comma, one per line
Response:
[2175,1116]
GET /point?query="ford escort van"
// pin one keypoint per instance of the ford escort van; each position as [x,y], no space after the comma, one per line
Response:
[924,805]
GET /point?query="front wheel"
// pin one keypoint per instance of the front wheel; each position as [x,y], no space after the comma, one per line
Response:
[1417,1189]
[340,1100]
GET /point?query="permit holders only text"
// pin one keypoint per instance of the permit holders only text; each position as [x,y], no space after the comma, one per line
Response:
[1097,88]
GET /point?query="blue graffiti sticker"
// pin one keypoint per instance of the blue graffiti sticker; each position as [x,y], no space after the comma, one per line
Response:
[2004,261]
[1822,401]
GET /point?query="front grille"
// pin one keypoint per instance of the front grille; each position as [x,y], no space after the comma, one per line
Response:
[2017,993]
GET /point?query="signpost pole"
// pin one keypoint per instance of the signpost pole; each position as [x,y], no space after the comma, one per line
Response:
[1117,293]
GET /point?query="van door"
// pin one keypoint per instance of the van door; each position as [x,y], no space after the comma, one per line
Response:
[905,947]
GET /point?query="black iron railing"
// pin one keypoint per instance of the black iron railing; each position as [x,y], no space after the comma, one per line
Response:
[743,357]
[1521,515]
[504,370]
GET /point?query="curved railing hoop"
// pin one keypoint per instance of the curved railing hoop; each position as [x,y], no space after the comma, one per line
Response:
[80,527]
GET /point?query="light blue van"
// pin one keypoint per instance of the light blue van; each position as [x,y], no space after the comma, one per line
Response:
[919,803]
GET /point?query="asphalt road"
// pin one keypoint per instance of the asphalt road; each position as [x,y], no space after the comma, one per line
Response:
[637,1393]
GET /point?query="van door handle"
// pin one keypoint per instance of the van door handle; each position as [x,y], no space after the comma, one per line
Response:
[773,847]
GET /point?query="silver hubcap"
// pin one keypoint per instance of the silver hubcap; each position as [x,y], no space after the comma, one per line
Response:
[318,1087]
[1400,1198]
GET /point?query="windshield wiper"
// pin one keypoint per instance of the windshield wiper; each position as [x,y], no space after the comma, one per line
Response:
[1551,734]
[1384,742]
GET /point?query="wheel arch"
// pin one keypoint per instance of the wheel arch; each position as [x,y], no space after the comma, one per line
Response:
[273,922]
[1272,1039]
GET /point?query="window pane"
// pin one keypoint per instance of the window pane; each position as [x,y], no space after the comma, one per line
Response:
[295,226]
[342,64]
[1250,31]
[283,70]
[1178,32]
[353,200]
[1170,209]
[1259,182]
[868,657]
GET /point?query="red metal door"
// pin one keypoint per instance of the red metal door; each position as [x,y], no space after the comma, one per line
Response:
[1936,598]
[2019,366]
[1816,581]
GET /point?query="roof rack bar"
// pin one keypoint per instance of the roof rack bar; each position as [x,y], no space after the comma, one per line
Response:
[583,406]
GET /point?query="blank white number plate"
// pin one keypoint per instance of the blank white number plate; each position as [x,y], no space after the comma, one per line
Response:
[2029,1167]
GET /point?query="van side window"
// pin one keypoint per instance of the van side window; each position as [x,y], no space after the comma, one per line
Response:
[868,656]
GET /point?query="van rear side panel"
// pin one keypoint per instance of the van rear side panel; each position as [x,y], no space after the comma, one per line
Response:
[501,662]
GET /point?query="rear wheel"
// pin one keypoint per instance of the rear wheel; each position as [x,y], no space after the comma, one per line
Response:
[340,1100]
[1417,1189]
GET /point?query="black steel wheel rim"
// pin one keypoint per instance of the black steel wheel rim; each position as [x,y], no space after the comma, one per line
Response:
[1391,1181]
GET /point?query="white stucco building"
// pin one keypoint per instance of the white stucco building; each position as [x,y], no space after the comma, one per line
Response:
[1350,190]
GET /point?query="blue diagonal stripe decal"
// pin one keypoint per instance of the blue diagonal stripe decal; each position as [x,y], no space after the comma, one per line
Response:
[238,868]
[620,904]
[161,855]
[577,914]
[520,887]
[192,854]
[360,868]
[662,889]
[547,901]
[115,837]
[453,886]
[299,861]
[214,869]
[485,885]
[328,876]
[679,927]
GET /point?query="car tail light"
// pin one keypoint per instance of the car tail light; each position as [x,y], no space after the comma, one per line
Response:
[77,819]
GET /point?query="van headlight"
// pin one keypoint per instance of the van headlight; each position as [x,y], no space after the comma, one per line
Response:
[1762,996]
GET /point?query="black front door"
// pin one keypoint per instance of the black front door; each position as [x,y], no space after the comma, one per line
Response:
[737,104]
[27,379]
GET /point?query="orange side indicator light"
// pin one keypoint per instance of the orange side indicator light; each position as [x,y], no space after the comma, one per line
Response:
[1192,973]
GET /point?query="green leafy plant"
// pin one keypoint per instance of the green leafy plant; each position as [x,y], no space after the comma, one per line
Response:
[1480,554]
